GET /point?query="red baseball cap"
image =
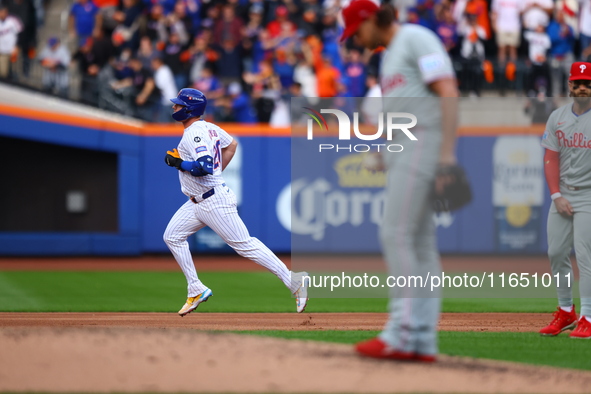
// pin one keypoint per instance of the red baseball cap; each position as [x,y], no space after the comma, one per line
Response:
[357,12]
[281,11]
[580,70]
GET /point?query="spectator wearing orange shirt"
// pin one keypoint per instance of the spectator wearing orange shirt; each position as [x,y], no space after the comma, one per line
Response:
[328,77]
[480,9]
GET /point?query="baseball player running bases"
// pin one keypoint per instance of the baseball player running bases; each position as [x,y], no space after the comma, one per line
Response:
[203,153]
[414,64]
[567,165]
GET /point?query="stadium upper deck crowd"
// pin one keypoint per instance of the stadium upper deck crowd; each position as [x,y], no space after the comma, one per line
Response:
[251,56]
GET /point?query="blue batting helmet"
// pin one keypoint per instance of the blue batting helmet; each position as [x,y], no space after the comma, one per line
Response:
[193,101]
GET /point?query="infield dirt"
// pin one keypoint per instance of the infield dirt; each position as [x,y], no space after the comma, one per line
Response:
[102,360]
[161,352]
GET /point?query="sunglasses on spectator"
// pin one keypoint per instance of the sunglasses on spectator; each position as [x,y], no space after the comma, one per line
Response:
[585,83]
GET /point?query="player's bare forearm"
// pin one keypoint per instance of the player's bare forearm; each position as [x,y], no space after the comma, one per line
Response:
[228,153]
[447,90]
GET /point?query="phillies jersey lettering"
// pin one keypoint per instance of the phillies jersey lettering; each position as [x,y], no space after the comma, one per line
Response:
[576,140]
[392,82]
[570,135]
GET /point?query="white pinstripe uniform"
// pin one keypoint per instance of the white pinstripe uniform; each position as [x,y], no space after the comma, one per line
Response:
[212,203]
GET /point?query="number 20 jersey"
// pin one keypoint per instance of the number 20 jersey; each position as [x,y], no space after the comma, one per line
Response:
[202,139]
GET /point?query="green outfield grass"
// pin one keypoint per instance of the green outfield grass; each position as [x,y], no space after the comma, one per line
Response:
[88,291]
[529,348]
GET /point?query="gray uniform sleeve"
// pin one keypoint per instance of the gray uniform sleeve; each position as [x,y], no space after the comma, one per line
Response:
[549,140]
[431,57]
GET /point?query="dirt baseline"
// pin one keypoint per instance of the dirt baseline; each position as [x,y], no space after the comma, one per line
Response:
[493,322]
[175,360]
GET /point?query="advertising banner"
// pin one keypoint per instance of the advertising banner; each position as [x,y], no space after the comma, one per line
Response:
[518,193]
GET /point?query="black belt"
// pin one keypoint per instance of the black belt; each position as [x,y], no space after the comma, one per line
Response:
[205,195]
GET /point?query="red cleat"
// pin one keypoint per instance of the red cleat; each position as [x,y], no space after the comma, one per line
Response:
[376,348]
[583,329]
[424,358]
[562,321]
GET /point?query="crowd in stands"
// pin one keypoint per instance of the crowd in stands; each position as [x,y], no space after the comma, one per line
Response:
[19,21]
[250,56]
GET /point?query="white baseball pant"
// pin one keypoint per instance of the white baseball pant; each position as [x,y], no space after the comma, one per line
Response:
[220,213]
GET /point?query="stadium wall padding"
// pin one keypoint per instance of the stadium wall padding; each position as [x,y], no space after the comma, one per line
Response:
[149,194]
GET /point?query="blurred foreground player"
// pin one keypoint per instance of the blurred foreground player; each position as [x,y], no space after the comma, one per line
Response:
[414,64]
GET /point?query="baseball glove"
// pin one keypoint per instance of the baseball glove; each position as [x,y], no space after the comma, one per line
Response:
[451,190]
[173,159]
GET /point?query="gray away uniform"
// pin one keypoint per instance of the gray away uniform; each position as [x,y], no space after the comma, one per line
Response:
[414,59]
[570,135]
